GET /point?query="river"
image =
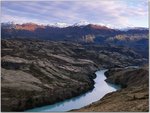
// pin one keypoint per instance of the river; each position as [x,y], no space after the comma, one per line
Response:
[101,88]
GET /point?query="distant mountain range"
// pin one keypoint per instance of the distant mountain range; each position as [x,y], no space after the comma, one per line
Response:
[60,31]
[136,37]
[79,32]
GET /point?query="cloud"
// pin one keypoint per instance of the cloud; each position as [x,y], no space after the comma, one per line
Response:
[119,13]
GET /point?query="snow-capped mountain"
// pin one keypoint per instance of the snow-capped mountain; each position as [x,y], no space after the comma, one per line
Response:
[81,23]
[59,24]
[64,25]
[82,33]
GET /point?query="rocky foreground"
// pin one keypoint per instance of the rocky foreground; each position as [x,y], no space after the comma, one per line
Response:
[133,97]
[36,73]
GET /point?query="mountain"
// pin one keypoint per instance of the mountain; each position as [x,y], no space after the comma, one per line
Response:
[81,23]
[28,26]
[59,24]
[53,32]
[82,32]
[63,31]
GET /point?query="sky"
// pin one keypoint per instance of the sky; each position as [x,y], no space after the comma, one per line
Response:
[114,13]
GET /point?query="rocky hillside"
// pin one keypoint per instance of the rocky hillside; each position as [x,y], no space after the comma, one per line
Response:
[133,97]
[36,73]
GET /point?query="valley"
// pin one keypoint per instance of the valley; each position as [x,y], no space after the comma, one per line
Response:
[74,56]
[40,71]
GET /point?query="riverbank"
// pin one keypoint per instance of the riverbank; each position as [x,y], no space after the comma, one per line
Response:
[100,89]
[37,73]
[133,97]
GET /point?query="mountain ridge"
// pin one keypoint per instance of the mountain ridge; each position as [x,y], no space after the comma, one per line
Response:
[64,25]
[135,38]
